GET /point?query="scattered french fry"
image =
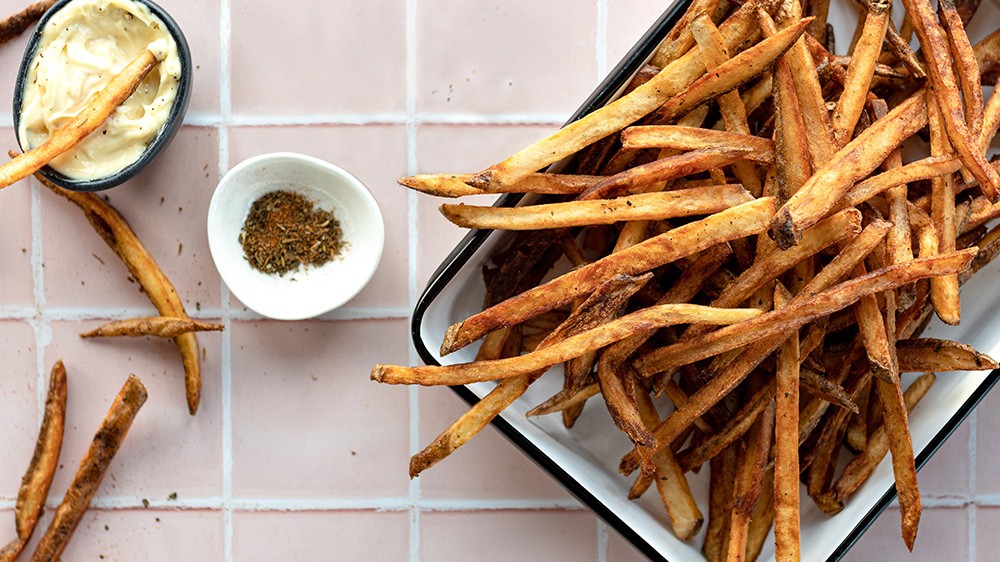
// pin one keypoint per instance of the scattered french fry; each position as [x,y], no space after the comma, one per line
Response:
[160,326]
[18,23]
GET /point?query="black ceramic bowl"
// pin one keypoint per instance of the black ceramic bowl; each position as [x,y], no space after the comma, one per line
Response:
[162,139]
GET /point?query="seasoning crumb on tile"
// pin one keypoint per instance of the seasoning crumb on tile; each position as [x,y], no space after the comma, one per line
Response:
[145,502]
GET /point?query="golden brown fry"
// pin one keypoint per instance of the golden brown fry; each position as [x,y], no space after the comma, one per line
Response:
[991,121]
[928,354]
[160,326]
[853,162]
[640,321]
[861,467]
[798,313]
[692,138]
[736,427]
[680,40]
[733,73]
[115,230]
[818,385]
[649,176]
[860,72]
[749,480]
[871,326]
[942,81]
[966,65]
[720,497]
[944,289]
[100,107]
[453,185]
[923,169]
[762,518]
[88,477]
[987,53]
[618,114]
[644,206]
[38,478]
[682,241]
[18,23]
[786,454]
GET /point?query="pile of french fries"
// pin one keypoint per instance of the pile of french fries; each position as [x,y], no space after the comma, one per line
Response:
[744,238]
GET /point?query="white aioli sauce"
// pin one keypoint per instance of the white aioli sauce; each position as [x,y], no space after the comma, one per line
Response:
[83,47]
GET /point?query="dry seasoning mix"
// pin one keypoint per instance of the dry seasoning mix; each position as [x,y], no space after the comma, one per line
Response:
[284,230]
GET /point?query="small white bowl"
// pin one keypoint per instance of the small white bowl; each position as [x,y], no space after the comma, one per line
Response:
[310,291]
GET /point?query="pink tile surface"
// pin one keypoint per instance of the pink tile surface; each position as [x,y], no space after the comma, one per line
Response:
[321,535]
[496,536]
[294,453]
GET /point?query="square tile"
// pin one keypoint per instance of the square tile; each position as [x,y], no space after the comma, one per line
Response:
[333,58]
[620,550]
[376,155]
[10,62]
[200,23]
[458,149]
[17,282]
[314,535]
[947,472]
[488,466]
[987,523]
[987,445]
[943,535]
[307,421]
[502,535]
[167,450]
[628,21]
[19,394]
[166,206]
[504,57]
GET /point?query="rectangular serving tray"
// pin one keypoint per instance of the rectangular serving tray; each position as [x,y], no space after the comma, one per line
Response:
[584,459]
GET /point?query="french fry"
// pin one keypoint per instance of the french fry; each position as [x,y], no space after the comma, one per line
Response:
[92,468]
[929,354]
[620,113]
[160,326]
[38,478]
[944,289]
[646,177]
[640,321]
[117,233]
[722,477]
[942,79]
[737,426]
[733,73]
[100,107]
[786,454]
[818,385]
[680,39]
[454,185]
[966,66]
[685,240]
[691,138]
[987,53]
[853,162]
[798,313]
[919,170]
[644,206]
[860,72]
[18,23]
[749,480]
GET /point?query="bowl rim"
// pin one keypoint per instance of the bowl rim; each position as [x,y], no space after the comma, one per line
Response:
[372,213]
[472,242]
[173,123]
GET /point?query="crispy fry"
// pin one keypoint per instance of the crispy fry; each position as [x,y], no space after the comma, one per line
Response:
[871,326]
[944,289]
[88,477]
[680,40]
[860,72]
[644,206]
[101,106]
[691,138]
[737,426]
[966,65]
[115,230]
[619,114]
[942,80]
[18,23]
[733,73]
[749,480]
[38,478]
[853,162]
[453,185]
[160,326]
[720,490]
[987,53]
[640,321]
[928,354]
[646,176]
[923,169]
[682,241]
[798,313]
[826,389]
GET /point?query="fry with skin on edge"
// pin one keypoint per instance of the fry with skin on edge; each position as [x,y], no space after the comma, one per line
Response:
[692,138]
[942,80]
[88,477]
[99,108]
[749,480]
[38,478]
[852,163]
[944,289]
[643,206]
[639,321]
[680,40]
[641,177]
[966,66]
[453,185]
[160,326]
[116,232]
[860,72]
[903,466]
[928,354]
[733,73]
[18,23]
[620,113]
[691,238]
[786,444]
[923,169]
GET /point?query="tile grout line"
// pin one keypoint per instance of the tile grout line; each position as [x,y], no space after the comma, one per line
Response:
[225,351]
[972,451]
[413,486]
[38,321]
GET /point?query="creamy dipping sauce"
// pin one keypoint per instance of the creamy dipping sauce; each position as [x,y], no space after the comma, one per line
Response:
[83,46]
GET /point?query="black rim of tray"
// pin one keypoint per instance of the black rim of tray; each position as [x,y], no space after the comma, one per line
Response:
[451,265]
